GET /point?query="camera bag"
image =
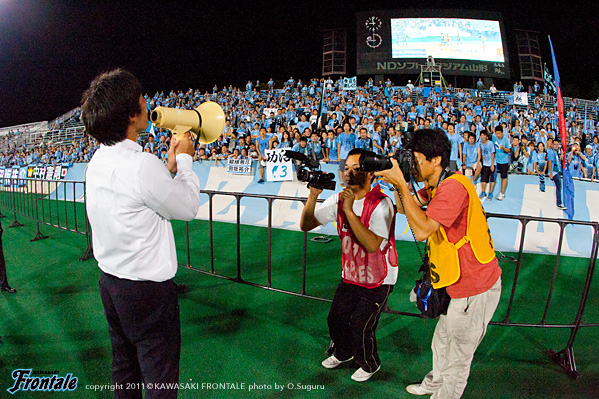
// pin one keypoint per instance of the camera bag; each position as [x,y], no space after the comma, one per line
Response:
[430,301]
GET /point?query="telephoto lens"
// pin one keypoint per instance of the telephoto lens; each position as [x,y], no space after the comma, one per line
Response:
[374,163]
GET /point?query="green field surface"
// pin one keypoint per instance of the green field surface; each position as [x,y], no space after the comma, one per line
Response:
[243,341]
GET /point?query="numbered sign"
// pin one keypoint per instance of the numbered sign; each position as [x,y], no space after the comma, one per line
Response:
[278,166]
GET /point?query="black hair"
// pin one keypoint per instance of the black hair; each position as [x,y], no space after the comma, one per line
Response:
[360,151]
[108,104]
[498,128]
[432,143]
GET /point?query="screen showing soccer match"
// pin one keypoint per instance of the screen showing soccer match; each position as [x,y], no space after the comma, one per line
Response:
[446,38]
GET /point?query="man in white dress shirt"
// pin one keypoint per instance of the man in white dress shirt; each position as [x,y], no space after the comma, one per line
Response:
[131,198]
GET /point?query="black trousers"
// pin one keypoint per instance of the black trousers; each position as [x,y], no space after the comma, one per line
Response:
[145,332]
[3,278]
[353,319]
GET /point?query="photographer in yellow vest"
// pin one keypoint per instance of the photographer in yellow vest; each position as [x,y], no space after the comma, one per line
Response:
[462,258]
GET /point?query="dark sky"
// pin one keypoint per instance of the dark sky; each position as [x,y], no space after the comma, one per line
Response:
[51,50]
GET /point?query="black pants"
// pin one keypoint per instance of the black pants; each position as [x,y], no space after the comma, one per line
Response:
[3,278]
[352,320]
[145,332]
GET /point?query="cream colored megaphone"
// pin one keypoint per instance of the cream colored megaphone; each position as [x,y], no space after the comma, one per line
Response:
[207,121]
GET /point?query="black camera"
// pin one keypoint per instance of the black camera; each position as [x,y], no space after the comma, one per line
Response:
[308,172]
[404,157]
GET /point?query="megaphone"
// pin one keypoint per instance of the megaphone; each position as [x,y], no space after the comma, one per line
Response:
[206,122]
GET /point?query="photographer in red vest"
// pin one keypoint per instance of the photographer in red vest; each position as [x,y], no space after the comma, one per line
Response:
[365,220]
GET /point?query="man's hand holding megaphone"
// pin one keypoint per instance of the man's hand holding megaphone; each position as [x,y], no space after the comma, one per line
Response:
[205,123]
[183,146]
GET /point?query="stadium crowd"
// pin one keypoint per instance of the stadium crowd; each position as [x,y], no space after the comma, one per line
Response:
[373,117]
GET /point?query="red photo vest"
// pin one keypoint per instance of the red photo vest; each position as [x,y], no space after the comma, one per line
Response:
[360,267]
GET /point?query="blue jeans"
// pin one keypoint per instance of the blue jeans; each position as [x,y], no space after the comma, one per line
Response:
[557,179]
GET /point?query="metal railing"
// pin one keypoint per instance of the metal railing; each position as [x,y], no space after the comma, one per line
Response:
[564,358]
[56,203]
[48,202]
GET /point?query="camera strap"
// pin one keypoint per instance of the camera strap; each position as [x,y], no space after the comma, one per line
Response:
[445,173]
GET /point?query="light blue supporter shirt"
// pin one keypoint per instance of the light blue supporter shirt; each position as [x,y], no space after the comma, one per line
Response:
[346,143]
[455,140]
[486,151]
[502,157]
[471,152]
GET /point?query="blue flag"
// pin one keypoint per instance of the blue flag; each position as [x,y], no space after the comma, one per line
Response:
[568,183]
[150,128]
[568,193]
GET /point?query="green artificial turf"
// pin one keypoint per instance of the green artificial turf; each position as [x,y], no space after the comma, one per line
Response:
[249,338]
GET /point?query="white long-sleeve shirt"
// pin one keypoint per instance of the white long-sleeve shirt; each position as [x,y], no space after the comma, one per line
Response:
[131,198]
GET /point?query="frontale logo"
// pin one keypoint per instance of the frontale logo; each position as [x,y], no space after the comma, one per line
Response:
[55,383]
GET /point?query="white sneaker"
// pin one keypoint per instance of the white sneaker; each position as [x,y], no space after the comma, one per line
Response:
[500,197]
[360,375]
[332,362]
[418,389]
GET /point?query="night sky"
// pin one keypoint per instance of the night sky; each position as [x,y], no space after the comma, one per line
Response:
[51,50]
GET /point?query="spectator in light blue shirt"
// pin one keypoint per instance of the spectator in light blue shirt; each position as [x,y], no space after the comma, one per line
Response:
[412,115]
[588,162]
[455,140]
[291,116]
[487,152]
[315,146]
[303,124]
[286,142]
[420,109]
[333,122]
[377,139]
[263,143]
[541,164]
[471,154]
[463,126]
[346,142]
[555,169]
[332,156]
[503,148]
[363,141]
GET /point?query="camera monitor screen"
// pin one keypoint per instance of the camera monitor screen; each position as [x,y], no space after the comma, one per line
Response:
[447,38]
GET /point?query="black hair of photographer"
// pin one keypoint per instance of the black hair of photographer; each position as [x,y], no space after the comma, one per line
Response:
[429,142]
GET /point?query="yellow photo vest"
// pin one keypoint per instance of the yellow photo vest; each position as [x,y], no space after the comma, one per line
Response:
[443,254]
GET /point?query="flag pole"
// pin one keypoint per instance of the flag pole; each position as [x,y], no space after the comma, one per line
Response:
[568,182]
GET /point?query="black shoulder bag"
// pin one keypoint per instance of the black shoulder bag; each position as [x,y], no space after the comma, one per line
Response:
[431,302]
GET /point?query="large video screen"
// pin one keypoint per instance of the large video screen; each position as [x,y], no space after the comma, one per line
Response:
[447,38]
[462,42]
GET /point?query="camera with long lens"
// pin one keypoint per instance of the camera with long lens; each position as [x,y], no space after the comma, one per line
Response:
[404,157]
[308,172]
